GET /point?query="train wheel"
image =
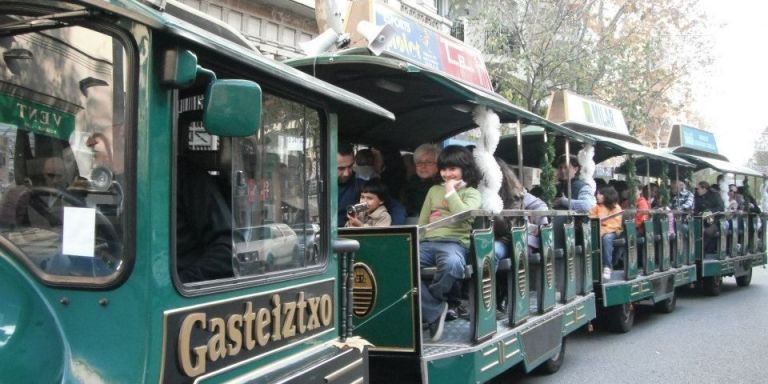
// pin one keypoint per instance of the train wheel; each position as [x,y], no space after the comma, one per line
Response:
[555,362]
[668,305]
[744,281]
[712,285]
[621,318]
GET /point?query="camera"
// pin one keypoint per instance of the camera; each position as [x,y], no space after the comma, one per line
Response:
[356,209]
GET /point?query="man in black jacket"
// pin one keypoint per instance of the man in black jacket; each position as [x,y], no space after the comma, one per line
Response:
[707,200]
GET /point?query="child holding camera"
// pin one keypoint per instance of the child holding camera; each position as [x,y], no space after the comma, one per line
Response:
[446,247]
[372,211]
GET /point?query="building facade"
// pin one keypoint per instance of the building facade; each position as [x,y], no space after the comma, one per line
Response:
[276,27]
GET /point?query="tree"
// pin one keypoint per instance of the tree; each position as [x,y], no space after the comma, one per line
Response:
[759,160]
[637,55]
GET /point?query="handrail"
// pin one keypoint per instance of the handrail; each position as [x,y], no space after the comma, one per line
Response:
[461,216]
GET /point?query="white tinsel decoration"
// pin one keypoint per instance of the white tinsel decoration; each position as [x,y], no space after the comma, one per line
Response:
[587,163]
[764,199]
[490,184]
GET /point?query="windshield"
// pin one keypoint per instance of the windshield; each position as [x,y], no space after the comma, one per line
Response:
[62,112]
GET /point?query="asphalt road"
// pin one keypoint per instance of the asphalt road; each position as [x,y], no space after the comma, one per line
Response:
[722,339]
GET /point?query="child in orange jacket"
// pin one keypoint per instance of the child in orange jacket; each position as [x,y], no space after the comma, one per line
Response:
[609,213]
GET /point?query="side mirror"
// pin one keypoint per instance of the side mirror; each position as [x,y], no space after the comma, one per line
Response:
[232,108]
[179,68]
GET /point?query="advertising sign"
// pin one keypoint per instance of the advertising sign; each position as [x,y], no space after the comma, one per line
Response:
[36,117]
[697,139]
[432,50]
[594,114]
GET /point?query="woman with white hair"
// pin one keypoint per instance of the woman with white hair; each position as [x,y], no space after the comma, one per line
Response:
[417,186]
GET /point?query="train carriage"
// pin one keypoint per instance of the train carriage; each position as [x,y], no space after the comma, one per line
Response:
[550,293]
[651,268]
[728,243]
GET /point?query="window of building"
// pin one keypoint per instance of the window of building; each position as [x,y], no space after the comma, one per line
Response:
[254,26]
[235,19]
[216,11]
[288,36]
[271,30]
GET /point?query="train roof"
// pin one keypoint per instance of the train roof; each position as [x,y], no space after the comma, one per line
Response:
[429,105]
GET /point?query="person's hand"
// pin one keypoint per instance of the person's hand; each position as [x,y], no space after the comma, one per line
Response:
[354,221]
[452,185]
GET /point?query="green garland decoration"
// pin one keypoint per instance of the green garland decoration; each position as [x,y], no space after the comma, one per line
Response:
[664,187]
[688,178]
[631,185]
[548,187]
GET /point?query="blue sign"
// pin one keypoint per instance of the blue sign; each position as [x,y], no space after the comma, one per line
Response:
[697,139]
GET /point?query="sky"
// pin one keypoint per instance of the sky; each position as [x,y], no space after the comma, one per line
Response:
[733,97]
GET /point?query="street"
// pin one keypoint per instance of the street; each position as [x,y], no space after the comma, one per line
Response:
[705,340]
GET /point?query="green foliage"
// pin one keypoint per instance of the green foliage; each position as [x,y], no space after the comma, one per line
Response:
[664,187]
[687,175]
[631,181]
[548,186]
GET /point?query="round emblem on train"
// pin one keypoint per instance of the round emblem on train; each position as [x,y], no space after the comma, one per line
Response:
[364,290]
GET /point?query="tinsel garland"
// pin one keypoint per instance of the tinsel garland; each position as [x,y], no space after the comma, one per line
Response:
[631,185]
[548,187]
[664,187]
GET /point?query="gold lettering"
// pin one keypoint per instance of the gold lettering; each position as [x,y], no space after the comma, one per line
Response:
[326,310]
[57,119]
[276,334]
[248,317]
[217,343]
[185,333]
[32,114]
[234,323]
[313,321]
[301,306]
[262,322]
[289,328]
[44,117]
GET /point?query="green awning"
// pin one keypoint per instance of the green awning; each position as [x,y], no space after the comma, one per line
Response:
[608,147]
[703,162]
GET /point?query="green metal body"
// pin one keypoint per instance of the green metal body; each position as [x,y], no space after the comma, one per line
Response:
[519,286]
[547,289]
[393,323]
[655,284]
[482,295]
[569,289]
[118,334]
[738,250]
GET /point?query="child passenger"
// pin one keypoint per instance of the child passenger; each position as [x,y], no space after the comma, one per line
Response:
[373,193]
[607,210]
[446,247]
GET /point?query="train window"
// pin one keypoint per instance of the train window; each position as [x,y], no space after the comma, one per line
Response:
[277,188]
[62,136]
[249,206]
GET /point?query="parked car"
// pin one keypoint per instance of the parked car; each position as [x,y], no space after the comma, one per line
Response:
[266,248]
